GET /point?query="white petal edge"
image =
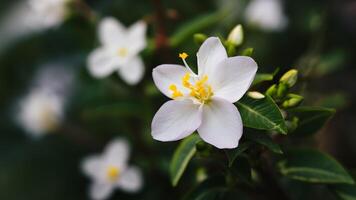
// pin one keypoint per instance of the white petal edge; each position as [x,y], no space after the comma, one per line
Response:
[136,37]
[233,77]
[221,124]
[132,71]
[176,119]
[166,75]
[209,55]
[117,153]
[101,63]
[131,180]
[91,166]
[100,190]
[110,31]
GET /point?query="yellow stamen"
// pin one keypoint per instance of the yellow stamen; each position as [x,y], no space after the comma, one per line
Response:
[122,52]
[183,55]
[113,173]
[176,93]
[199,90]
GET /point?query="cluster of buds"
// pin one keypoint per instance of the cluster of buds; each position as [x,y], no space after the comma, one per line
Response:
[280,91]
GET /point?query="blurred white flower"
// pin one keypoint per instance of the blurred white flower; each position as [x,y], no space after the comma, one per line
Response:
[203,101]
[267,15]
[42,110]
[49,13]
[119,51]
[110,170]
[30,16]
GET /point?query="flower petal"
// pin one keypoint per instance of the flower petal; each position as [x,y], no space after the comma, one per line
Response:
[233,78]
[133,71]
[100,190]
[210,54]
[91,166]
[130,180]
[166,75]
[117,153]
[101,63]
[137,37]
[221,125]
[175,120]
[111,31]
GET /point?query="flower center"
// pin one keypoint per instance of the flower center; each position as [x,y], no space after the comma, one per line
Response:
[199,90]
[122,52]
[112,173]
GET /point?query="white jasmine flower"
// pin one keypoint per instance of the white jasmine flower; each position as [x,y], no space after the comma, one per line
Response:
[110,170]
[266,14]
[49,13]
[119,51]
[203,101]
[42,110]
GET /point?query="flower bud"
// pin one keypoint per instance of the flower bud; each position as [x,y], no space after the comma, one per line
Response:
[271,91]
[255,95]
[282,90]
[292,101]
[236,35]
[199,38]
[289,78]
[292,124]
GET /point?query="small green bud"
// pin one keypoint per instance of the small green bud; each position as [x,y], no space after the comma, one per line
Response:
[255,95]
[289,78]
[199,38]
[271,91]
[292,101]
[247,52]
[292,124]
[236,36]
[201,175]
[282,90]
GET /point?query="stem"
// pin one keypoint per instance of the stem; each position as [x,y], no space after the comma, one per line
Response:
[161,38]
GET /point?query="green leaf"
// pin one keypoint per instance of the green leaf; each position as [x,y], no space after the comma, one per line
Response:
[314,167]
[344,191]
[259,78]
[182,155]
[261,114]
[311,119]
[233,153]
[264,140]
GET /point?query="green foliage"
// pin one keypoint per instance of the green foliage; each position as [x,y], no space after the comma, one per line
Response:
[265,140]
[314,167]
[181,157]
[232,154]
[344,191]
[262,114]
[311,119]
